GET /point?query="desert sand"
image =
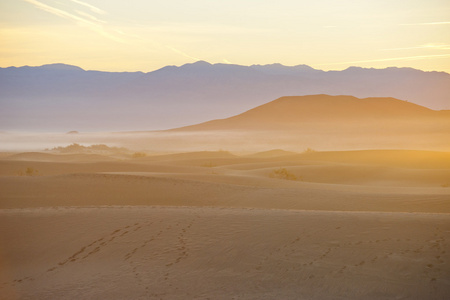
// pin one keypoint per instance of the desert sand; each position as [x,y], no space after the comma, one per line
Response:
[216,225]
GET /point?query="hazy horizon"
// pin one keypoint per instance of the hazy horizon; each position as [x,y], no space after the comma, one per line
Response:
[295,123]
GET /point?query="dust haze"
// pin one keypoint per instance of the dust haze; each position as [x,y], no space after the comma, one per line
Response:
[279,202]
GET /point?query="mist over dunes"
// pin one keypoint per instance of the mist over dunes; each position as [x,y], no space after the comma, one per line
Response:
[60,97]
[293,123]
[327,123]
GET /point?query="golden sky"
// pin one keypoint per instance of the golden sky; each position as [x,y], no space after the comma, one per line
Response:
[144,35]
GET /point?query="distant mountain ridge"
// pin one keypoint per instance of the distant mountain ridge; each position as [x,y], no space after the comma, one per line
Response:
[59,97]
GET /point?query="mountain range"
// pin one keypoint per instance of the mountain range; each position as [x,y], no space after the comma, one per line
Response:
[61,97]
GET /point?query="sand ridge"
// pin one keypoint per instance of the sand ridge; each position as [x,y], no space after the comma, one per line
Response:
[355,181]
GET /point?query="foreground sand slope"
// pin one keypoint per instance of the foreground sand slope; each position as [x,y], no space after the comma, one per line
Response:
[213,253]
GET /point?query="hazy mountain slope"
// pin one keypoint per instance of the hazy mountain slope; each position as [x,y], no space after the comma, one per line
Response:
[324,111]
[62,98]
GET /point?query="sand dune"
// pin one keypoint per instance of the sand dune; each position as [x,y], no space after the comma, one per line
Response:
[47,157]
[397,158]
[211,253]
[223,191]
[217,225]
[271,153]
[357,181]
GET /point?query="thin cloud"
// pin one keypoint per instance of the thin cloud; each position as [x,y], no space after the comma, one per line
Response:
[91,7]
[418,57]
[95,24]
[184,28]
[154,43]
[430,23]
[91,17]
[60,13]
[181,52]
[427,46]
[91,24]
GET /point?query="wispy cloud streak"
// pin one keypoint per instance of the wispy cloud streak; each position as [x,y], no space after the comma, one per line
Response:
[96,24]
[182,53]
[91,23]
[429,23]
[91,7]
[418,57]
[427,46]
[89,16]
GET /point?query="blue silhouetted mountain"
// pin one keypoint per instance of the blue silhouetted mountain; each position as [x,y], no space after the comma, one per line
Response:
[63,97]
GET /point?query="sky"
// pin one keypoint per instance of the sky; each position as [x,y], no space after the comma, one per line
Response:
[145,35]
